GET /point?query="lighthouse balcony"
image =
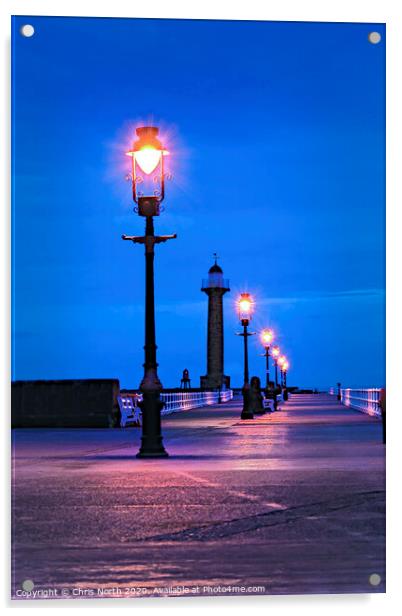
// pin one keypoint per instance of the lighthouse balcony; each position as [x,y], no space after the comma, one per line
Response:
[215,281]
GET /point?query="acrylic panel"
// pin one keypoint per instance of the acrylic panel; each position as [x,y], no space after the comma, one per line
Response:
[198,307]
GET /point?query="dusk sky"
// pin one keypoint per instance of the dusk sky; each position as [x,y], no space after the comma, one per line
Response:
[277,140]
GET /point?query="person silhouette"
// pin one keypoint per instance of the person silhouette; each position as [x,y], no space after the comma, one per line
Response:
[256,403]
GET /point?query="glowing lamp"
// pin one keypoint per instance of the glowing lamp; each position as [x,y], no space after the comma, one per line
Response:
[245,307]
[148,159]
[285,366]
[147,156]
[267,335]
[275,352]
[281,360]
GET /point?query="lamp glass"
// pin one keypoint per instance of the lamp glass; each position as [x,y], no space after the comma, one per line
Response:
[148,158]
[267,336]
[275,351]
[245,305]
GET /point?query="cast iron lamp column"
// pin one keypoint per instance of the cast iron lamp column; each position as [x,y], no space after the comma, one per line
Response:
[285,372]
[267,336]
[245,306]
[148,174]
[282,361]
[275,355]
[285,388]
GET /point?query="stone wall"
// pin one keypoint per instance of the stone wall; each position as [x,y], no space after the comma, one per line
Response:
[89,403]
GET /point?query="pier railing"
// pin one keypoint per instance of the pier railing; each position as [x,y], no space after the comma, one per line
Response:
[364,400]
[182,401]
[173,402]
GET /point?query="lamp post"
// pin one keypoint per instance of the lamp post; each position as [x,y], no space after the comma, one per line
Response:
[275,355]
[148,184]
[282,361]
[285,371]
[285,367]
[245,306]
[285,389]
[267,335]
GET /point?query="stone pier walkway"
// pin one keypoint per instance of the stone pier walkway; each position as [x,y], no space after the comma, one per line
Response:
[291,502]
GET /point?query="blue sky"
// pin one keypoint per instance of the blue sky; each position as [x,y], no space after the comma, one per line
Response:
[276,133]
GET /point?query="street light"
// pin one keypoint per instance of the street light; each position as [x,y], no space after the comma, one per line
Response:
[275,354]
[285,370]
[285,367]
[148,185]
[281,361]
[245,307]
[267,335]
[148,175]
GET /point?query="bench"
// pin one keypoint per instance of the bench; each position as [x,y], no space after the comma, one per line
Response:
[129,409]
[268,404]
[269,401]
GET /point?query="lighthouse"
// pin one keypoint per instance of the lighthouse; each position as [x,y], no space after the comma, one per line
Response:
[215,286]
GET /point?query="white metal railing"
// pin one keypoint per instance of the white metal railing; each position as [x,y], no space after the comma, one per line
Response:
[365,400]
[173,402]
[182,401]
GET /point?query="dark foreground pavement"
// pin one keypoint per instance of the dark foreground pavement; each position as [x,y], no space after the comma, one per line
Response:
[289,503]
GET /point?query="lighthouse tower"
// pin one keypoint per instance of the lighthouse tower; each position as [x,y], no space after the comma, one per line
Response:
[215,286]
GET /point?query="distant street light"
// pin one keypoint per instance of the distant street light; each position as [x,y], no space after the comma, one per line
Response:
[281,361]
[148,184]
[285,371]
[275,354]
[267,335]
[285,367]
[245,306]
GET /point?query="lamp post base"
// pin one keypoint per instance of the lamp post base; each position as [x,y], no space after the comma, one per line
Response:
[151,440]
[246,413]
[152,454]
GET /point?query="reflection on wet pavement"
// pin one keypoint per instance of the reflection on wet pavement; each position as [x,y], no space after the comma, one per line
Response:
[291,501]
